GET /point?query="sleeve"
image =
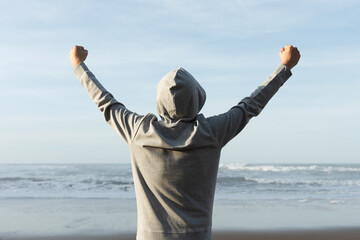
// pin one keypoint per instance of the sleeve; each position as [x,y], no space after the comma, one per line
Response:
[227,125]
[123,121]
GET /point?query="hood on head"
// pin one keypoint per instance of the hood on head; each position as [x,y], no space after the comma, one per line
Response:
[179,96]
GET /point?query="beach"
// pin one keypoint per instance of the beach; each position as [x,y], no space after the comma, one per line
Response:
[319,234]
[95,219]
[53,202]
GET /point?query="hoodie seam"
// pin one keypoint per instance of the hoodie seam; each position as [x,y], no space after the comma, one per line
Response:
[138,128]
[210,130]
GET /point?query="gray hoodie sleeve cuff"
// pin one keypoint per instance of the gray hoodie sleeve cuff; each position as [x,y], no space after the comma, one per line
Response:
[80,70]
[284,72]
[280,76]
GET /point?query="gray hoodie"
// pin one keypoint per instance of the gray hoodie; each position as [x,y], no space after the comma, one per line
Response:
[175,160]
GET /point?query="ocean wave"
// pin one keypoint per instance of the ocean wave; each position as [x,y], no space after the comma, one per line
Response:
[115,181]
[17,179]
[240,181]
[107,181]
[289,168]
[234,181]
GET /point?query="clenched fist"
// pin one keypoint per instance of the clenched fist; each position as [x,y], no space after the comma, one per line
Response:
[77,55]
[289,56]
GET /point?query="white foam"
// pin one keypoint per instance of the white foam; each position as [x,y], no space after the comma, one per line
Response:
[287,168]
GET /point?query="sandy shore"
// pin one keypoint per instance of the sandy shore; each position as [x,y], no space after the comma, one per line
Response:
[320,234]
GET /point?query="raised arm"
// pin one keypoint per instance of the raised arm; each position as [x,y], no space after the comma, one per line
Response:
[123,121]
[227,125]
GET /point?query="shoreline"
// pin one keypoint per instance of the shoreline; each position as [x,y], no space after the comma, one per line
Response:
[95,219]
[342,233]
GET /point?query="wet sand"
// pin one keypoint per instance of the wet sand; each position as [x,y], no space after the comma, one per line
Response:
[319,234]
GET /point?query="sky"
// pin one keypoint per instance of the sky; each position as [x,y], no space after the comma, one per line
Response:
[230,47]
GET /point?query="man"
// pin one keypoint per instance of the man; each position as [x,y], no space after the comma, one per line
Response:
[175,159]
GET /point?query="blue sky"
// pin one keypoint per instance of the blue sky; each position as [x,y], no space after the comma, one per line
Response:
[230,47]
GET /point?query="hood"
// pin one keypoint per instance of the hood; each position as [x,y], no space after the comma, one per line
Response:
[179,96]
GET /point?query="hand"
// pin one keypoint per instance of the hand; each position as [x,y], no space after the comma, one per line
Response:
[77,55]
[289,56]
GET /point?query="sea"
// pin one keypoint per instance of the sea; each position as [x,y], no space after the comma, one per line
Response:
[74,198]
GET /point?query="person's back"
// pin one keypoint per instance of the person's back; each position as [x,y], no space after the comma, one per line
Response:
[175,160]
